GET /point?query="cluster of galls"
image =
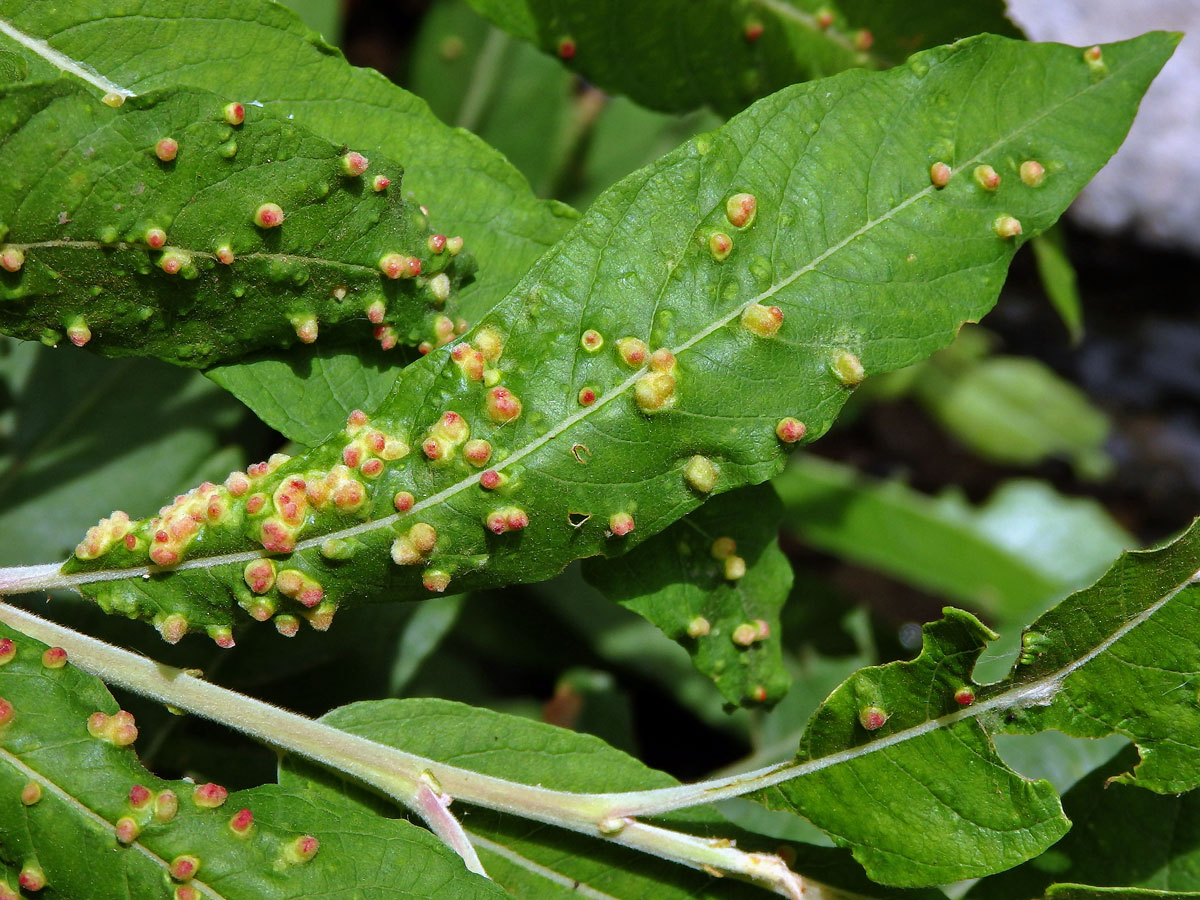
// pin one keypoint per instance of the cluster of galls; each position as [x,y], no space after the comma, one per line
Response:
[1031,172]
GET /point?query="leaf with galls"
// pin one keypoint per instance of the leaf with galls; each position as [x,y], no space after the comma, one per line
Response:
[133,243]
[859,270]
[81,817]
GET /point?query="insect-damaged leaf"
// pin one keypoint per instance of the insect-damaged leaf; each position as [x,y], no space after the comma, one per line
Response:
[180,227]
[679,319]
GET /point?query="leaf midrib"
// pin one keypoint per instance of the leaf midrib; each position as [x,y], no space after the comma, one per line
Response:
[602,401]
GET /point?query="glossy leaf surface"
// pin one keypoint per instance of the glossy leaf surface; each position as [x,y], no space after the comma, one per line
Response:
[865,278]
[141,230]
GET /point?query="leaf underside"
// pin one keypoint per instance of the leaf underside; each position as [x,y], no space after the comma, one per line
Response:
[123,248]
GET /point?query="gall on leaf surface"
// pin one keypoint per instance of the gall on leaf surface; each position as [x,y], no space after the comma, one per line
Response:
[249,237]
[674,55]
[853,246]
[100,826]
[922,797]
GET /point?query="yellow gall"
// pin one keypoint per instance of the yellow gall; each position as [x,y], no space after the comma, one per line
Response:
[847,367]
[439,286]
[454,245]
[720,245]
[11,259]
[872,717]
[166,149]
[698,627]
[633,351]
[1007,227]
[54,658]
[113,99]
[735,568]
[620,524]
[740,210]
[655,392]
[31,793]
[354,164]
[1032,172]
[591,340]
[502,405]
[987,178]
[763,321]
[268,215]
[723,548]
[701,474]
[939,175]
[745,634]
[490,344]
[435,580]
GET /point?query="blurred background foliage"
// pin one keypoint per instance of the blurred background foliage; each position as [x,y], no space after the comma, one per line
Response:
[998,476]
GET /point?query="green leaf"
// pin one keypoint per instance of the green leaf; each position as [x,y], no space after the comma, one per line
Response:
[533,861]
[288,72]
[908,742]
[70,834]
[1121,837]
[1058,280]
[681,581]
[1085,892]
[133,248]
[476,77]
[1010,557]
[1015,410]
[675,56]
[879,273]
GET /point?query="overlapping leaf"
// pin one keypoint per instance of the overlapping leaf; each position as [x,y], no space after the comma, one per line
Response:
[68,815]
[133,246]
[864,260]
[678,55]
[693,588]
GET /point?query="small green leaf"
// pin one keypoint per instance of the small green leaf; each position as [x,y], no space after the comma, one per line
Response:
[1015,410]
[1058,279]
[141,230]
[67,811]
[676,55]
[307,393]
[719,600]
[880,272]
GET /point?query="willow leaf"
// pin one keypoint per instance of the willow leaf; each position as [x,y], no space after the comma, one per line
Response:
[1121,837]
[289,72]
[678,55]
[81,814]
[693,587]
[898,763]
[869,266]
[142,230]
[537,863]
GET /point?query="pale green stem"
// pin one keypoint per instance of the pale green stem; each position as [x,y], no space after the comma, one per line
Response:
[421,784]
[483,80]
